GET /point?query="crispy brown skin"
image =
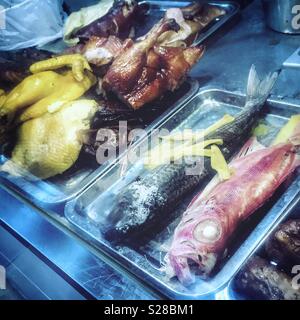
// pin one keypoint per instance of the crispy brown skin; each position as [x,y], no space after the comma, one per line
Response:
[118,21]
[261,280]
[283,246]
[145,71]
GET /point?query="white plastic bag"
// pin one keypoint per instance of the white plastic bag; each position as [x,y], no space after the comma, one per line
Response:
[28,23]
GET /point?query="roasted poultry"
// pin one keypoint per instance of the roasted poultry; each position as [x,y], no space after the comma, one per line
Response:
[118,21]
[145,71]
[262,280]
[271,277]
[191,19]
[102,50]
[102,40]
[283,246]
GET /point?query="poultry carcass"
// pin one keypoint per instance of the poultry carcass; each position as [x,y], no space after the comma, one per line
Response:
[49,145]
[119,21]
[145,71]
[101,51]
[192,20]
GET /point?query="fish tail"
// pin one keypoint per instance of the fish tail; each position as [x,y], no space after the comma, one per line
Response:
[259,90]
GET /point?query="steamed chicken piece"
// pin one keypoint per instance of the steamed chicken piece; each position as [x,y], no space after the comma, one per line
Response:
[145,71]
[48,145]
[29,91]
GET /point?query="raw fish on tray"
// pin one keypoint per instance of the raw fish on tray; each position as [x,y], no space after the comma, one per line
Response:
[202,236]
[145,202]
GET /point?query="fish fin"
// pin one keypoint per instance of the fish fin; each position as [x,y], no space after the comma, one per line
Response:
[258,90]
[250,146]
[178,265]
[167,269]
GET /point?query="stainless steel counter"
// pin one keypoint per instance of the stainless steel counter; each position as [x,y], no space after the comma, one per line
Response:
[42,254]
[227,62]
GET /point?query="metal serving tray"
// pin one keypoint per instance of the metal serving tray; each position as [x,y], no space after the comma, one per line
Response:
[219,25]
[66,186]
[57,190]
[144,259]
[231,293]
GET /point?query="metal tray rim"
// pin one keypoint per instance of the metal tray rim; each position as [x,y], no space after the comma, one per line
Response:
[43,197]
[266,223]
[17,187]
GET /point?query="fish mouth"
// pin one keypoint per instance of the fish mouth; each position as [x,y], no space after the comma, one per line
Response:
[186,265]
[187,269]
[181,267]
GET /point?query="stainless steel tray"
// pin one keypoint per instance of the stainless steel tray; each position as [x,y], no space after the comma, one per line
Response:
[57,190]
[292,212]
[66,186]
[144,259]
[219,25]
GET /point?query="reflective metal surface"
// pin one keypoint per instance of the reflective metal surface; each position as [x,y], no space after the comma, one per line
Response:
[85,272]
[282,15]
[88,212]
[226,64]
[63,187]
[293,61]
[71,183]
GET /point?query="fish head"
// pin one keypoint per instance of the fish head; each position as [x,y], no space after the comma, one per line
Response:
[196,244]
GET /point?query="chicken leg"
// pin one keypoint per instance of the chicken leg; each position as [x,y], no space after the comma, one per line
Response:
[125,71]
[145,71]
